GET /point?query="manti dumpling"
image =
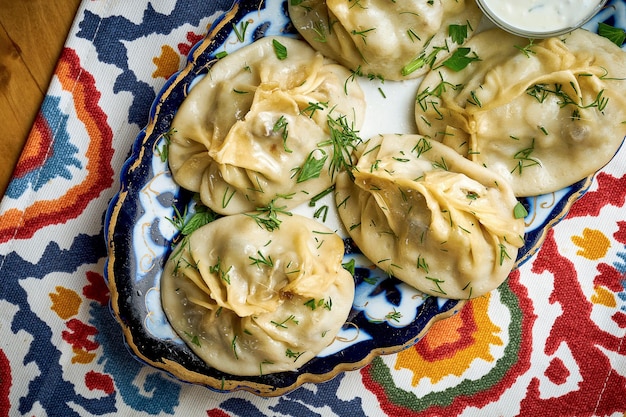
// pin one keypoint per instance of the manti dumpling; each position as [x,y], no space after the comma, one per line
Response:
[430,217]
[249,301]
[393,40]
[258,126]
[542,114]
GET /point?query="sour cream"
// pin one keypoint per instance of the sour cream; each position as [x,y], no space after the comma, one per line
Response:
[536,17]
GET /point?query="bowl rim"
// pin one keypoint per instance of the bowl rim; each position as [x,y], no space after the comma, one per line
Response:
[515,30]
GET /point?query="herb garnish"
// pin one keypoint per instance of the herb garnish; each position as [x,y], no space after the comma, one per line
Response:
[234,346]
[227,197]
[526,50]
[472,195]
[394,315]
[615,35]
[422,146]
[542,91]
[201,216]
[167,139]
[241,33]
[282,125]
[362,34]
[441,164]
[319,29]
[423,96]
[422,264]
[412,35]
[503,254]
[321,195]
[519,211]
[354,74]
[283,323]
[524,159]
[474,100]
[279,49]
[261,260]
[458,33]
[313,165]
[291,354]
[313,107]
[460,59]
[424,59]
[349,266]
[265,362]
[186,224]
[194,338]
[267,217]
[321,212]
[313,304]
[220,271]
[438,283]
[343,139]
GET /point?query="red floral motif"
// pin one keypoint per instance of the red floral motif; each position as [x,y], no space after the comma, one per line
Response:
[557,372]
[611,191]
[97,381]
[601,391]
[6,381]
[620,319]
[620,235]
[78,335]
[97,289]
[609,277]
[192,39]
[395,401]
[216,413]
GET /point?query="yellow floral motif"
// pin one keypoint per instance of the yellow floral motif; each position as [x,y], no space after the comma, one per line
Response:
[593,244]
[65,302]
[603,297]
[82,356]
[167,63]
[451,335]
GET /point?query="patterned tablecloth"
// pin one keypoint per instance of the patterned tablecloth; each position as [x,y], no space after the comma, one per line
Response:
[550,342]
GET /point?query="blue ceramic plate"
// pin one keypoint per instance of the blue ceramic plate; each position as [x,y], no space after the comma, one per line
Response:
[139,239]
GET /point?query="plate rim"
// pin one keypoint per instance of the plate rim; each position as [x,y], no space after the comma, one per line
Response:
[115,208]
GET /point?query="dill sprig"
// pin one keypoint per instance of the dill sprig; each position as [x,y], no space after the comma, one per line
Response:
[186,224]
[343,139]
[267,217]
[524,158]
[163,151]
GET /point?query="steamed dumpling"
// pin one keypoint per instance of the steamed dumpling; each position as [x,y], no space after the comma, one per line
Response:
[393,40]
[430,217]
[541,114]
[249,301]
[256,129]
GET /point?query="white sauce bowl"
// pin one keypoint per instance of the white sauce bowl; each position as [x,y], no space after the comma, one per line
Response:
[540,18]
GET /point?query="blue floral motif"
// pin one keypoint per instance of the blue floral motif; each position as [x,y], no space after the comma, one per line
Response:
[110,34]
[302,402]
[49,386]
[60,157]
[163,394]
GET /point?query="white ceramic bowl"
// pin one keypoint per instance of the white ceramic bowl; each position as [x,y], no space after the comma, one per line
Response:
[540,18]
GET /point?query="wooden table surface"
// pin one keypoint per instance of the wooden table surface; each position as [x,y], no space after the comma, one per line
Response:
[32,34]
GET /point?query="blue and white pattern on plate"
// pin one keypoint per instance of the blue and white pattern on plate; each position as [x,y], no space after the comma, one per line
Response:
[387,315]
